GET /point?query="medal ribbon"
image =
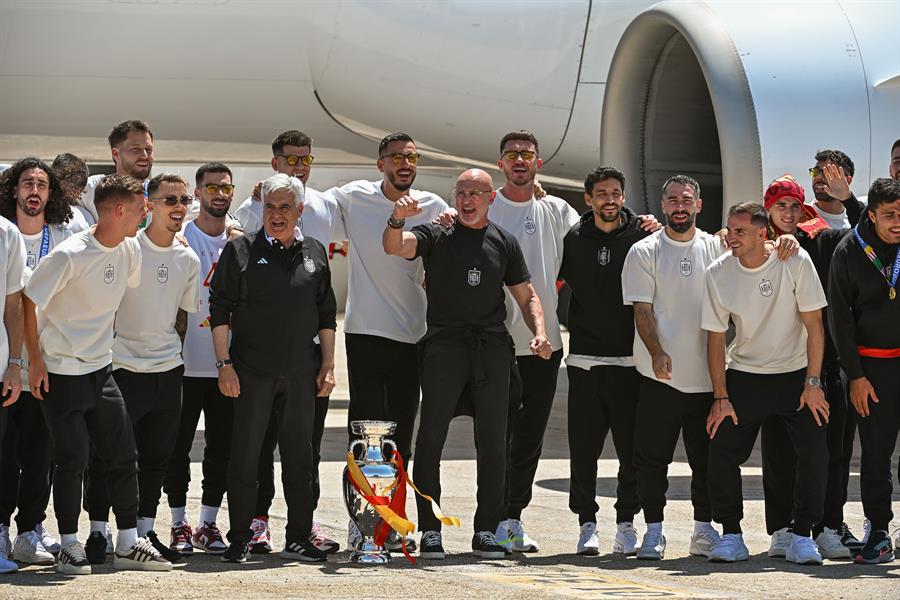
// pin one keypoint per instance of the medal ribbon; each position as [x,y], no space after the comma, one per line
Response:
[890,275]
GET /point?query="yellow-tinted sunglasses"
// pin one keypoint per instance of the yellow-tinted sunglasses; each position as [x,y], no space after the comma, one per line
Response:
[293,159]
[397,157]
[514,154]
[226,188]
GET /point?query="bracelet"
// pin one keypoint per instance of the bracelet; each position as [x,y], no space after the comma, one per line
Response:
[396,223]
[721,398]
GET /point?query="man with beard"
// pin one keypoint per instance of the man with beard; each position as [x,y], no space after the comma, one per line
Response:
[831,179]
[200,389]
[385,312]
[131,146]
[865,326]
[773,371]
[72,174]
[292,155]
[603,383]
[30,197]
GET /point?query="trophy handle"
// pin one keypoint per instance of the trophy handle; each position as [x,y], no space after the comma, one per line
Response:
[392,444]
[353,446]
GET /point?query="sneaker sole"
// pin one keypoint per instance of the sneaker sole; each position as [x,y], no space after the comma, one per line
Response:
[67,569]
[433,555]
[840,555]
[490,555]
[42,561]
[184,552]
[623,552]
[260,549]
[884,558]
[211,551]
[301,557]
[126,564]
[719,559]
[527,549]
[777,553]
[588,552]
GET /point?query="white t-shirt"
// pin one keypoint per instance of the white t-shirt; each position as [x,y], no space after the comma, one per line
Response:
[81,219]
[12,261]
[77,289]
[835,221]
[146,340]
[539,226]
[765,304]
[87,198]
[385,294]
[669,275]
[321,218]
[199,355]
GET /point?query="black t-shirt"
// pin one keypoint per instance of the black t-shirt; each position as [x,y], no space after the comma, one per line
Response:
[465,272]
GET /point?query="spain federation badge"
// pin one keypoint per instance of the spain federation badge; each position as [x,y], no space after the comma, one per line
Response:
[687,267]
[474,277]
[109,274]
[603,256]
[309,265]
[162,273]
[765,288]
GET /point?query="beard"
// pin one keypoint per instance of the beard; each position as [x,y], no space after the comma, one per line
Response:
[401,187]
[609,218]
[681,227]
[822,196]
[31,212]
[137,172]
[218,213]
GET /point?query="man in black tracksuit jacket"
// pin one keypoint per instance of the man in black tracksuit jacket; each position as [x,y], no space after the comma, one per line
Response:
[603,383]
[273,288]
[864,317]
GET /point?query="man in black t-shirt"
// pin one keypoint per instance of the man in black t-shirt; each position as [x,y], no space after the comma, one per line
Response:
[466,345]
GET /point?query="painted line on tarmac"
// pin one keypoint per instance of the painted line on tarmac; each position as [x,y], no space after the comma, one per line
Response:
[592,584]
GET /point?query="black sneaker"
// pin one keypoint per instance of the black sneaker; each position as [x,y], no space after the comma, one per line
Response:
[164,551]
[95,549]
[304,550]
[394,542]
[848,539]
[72,560]
[485,545]
[236,553]
[877,550]
[430,547]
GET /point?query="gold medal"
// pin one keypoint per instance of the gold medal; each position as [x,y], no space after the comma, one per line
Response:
[892,293]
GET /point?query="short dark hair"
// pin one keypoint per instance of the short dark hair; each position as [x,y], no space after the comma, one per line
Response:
[883,191]
[521,135]
[759,216]
[211,167]
[120,132]
[57,209]
[116,186]
[390,138]
[291,137]
[837,157]
[895,146]
[153,184]
[602,174]
[683,180]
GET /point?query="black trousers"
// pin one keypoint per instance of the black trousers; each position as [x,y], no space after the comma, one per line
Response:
[878,438]
[200,394]
[26,466]
[449,367]
[602,399]
[383,385]
[153,402]
[755,398]
[292,401]
[780,461]
[531,390]
[84,413]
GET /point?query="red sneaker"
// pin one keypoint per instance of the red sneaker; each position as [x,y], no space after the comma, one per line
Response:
[209,539]
[261,542]
[321,541]
[181,539]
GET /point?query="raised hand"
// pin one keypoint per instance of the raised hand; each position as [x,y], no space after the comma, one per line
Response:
[406,207]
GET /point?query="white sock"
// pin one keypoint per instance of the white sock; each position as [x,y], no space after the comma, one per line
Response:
[179,515]
[208,514]
[126,539]
[702,526]
[654,527]
[67,538]
[101,526]
[144,525]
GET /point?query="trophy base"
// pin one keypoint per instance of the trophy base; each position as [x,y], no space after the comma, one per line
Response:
[370,553]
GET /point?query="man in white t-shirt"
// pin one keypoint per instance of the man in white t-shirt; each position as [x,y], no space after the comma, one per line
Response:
[147,364]
[773,370]
[321,220]
[87,276]
[30,197]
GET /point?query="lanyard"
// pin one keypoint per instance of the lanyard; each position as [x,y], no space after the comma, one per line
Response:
[45,243]
[890,275]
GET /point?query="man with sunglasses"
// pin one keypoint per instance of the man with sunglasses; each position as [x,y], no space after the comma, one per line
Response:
[291,155]
[147,363]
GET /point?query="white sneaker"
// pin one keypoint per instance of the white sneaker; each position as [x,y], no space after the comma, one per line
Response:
[867,529]
[781,539]
[503,537]
[142,556]
[110,548]
[5,544]
[653,547]
[729,548]
[28,549]
[803,551]
[7,566]
[49,542]
[520,540]
[354,536]
[588,540]
[73,560]
[626,539]
[830,546]
[702,541]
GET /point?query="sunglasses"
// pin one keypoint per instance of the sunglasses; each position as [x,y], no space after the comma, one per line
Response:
[226,188]
[172,200]
[397,157]
[293,159]
[514,154]
[815,172]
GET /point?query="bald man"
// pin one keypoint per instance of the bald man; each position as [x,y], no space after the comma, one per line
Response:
[466,345]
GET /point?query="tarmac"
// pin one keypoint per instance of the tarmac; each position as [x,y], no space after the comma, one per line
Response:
[554,572]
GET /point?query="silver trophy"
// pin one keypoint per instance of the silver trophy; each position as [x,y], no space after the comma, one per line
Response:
[382,476]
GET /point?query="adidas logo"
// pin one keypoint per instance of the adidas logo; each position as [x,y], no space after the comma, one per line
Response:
[262,261]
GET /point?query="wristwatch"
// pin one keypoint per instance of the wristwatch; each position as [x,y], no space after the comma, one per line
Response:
[814,382]
[16,361]
[222,363]
[396,223]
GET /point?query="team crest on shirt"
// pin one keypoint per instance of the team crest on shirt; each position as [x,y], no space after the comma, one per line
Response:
[530,227]
[687,267]
[603,256]
[31,260]
[109,274]
[765,288]
[474,277]
[162,273]
[309,265]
